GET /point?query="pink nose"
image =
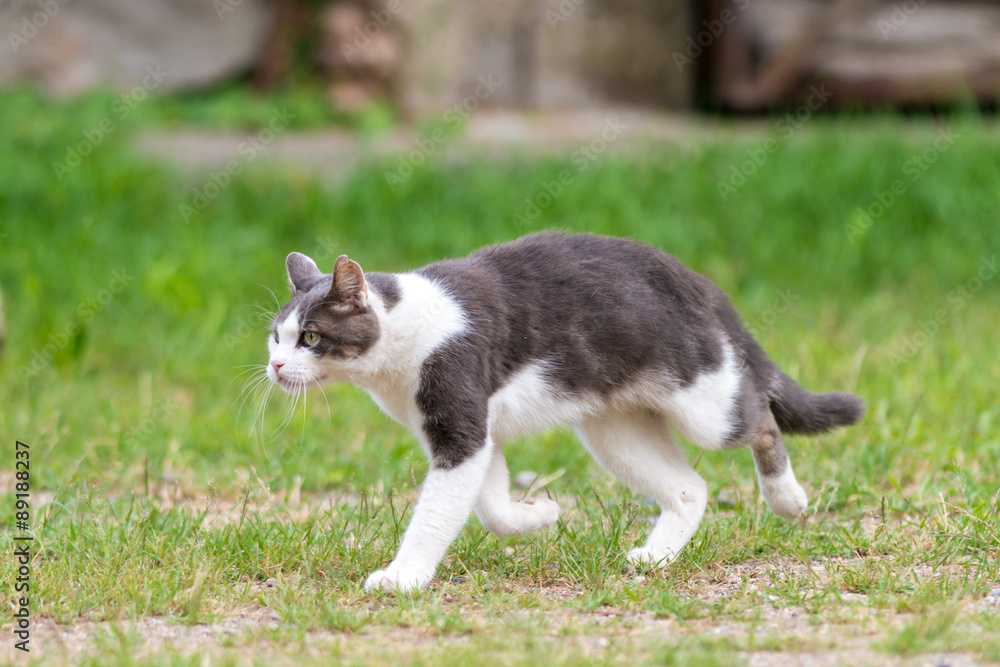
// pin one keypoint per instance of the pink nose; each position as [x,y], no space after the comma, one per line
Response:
[277,365]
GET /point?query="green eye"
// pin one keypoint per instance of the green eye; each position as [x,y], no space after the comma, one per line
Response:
[310,338]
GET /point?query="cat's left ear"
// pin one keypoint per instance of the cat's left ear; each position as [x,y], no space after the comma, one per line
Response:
[302,272]
[349,287]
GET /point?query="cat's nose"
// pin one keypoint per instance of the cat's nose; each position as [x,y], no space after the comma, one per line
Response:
[277,365]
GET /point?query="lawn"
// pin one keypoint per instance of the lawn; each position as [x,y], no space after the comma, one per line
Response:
[178,519]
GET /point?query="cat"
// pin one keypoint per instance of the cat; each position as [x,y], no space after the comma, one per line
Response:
[613,337]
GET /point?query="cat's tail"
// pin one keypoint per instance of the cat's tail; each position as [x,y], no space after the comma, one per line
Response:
[797,411]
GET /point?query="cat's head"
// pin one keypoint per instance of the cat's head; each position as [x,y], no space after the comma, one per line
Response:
[323,333]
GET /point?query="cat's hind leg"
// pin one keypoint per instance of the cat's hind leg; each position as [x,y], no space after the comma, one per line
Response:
[505,517]
[781,491]
[638,448]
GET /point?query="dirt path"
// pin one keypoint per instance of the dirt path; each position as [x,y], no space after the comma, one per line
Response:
[336,152]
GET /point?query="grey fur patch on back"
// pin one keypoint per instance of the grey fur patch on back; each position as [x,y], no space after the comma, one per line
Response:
[600,311]
[387,286]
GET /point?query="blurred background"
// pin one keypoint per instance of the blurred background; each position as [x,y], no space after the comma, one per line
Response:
[833,165]
[419,56]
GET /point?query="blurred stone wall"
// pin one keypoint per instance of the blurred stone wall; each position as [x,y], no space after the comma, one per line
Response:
[69,46]
[544,53]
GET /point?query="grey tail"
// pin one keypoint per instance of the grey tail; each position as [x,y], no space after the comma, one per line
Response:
[797,411]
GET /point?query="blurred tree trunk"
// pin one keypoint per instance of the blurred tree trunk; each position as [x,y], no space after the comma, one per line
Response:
[289,24]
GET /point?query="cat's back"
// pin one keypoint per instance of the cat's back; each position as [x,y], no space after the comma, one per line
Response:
[596,310]
[574,267]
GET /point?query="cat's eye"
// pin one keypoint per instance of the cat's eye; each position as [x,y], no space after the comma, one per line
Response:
[310,338]
[276,337]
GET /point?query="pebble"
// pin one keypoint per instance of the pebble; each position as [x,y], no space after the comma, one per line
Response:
[509,552]
[271,583]
[995,593]
[854,597]
[724,502]
[525,479]
[458,580]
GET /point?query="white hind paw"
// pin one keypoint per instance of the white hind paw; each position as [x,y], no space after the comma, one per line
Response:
[784,495]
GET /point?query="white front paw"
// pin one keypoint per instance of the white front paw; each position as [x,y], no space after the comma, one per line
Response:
[396,580]
[646,556]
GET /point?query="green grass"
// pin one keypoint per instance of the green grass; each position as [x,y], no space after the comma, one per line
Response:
[161,503]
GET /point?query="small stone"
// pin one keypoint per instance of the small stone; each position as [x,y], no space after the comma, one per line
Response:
[458,580]
[854,597]
[509,552]
[271,582]
[724,502]
[995,593]
[525,479]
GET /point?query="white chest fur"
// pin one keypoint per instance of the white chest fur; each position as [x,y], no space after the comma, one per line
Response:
[425,318]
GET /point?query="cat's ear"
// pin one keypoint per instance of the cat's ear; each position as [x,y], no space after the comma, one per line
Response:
[349,286]
[302,272]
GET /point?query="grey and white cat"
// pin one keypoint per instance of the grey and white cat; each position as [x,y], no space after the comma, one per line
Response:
[608,335]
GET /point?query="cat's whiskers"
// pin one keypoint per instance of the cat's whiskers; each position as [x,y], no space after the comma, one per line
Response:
[274,296]
[322,390]
[258,422]
[250,369]
[297,389]
[263,404]
[250,388]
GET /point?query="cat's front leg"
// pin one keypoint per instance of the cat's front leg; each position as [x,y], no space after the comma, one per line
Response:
[445,504]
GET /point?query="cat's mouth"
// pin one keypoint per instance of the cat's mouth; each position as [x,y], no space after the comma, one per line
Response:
[289,385]
[296,385]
